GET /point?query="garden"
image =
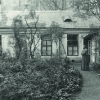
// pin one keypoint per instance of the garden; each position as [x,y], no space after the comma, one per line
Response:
[26,76]
[38,79]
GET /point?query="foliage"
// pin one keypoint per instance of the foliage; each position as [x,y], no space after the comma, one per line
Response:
[45,79]
[95,66]
[57,35]
[19,42]
[90,7]
[55,30]
[25,34]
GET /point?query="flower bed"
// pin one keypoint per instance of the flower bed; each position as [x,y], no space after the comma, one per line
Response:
[51,79]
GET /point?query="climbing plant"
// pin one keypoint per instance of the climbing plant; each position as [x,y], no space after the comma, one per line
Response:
[57,35]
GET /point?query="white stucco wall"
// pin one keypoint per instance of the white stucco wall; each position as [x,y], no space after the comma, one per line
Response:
[7,44]
[7,37]
[92,55]
[4,42]
[80,44]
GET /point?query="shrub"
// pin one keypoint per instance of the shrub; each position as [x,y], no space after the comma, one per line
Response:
[95,66]
[39,80]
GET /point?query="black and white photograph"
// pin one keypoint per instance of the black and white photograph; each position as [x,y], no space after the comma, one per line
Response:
[49,49]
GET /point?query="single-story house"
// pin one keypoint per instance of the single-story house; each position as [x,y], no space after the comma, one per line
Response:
[75,30]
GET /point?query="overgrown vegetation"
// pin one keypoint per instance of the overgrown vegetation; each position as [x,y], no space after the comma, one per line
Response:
[39,79]
[96,66]
[29,77]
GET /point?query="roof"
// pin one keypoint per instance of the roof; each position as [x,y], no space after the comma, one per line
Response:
[89,36]
[47,17]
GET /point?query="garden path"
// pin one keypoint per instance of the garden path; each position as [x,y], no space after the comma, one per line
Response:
[91,85]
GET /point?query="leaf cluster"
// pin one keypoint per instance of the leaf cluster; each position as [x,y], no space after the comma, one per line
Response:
[39,79]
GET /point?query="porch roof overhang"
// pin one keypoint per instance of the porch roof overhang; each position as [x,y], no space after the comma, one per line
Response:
[90,36]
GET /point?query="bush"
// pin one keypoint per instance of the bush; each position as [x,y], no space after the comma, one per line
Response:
[95,66]
[39,80]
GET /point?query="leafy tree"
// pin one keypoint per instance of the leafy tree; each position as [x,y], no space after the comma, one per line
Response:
[91,7]
[17,25]
[32,28]
[29,30]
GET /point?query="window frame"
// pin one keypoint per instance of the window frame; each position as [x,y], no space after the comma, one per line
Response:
[46,45]
[72,46]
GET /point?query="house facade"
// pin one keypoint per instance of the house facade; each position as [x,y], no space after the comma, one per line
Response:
[74,29]
[72,41]
[75,25]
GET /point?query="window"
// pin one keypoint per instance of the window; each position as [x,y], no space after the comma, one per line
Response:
[46,45]
[72,45]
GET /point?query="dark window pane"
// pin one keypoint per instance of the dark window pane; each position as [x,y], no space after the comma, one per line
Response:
[72,50]
[72,37]
[75,42]
[43,51]
[43,43]
[48,50]
[72,42]
[46,37]
[69,48]
[75,48]
[75,52]
[48,42]
[69,52]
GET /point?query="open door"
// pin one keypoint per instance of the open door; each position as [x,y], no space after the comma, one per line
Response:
[87,43]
